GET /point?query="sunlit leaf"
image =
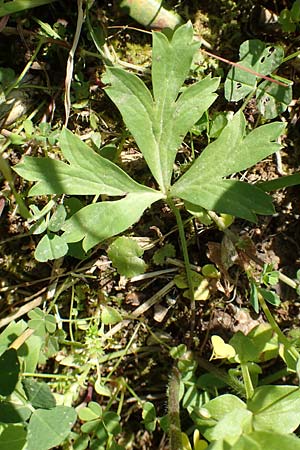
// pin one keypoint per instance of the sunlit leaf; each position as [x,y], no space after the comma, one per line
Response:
[51,246]
[125,254]
[221,349]
[159,123]
[98,221]
[48,428]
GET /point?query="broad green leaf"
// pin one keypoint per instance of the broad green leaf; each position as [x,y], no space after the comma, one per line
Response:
[48,428]
[246,349]
[98,221]
[216,409]
[256,56]
[13,437]
[265,341]
[295,11]
[231,426]
[39,394]
[110,316]
[91,426]
[225,196]
[286,21]
[9,371]
[159,124]
[233,151]
[51,246]
[262,440]
[171,62]
[275,408]
[125,254]
[270,296]
[87,174]
[273,99]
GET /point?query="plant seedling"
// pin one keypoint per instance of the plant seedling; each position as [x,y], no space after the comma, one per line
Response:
[158,120]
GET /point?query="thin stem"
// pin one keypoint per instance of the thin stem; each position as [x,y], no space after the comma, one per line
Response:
[185,258]
[16,83]
[289,347]
[247,381]
[173,411]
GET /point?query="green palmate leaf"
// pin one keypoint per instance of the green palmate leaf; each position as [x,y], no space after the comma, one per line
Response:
[232,152]
[256,56]
[98,221]
[125,254]
[225,196]
[275,408]
[48,428]
[87,174]
[159,123]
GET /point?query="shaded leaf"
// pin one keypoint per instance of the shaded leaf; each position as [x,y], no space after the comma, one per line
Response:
[39,394]
[13,437]
[9,371]
[12,412]
[167,251]
[57,219]
[280,183]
